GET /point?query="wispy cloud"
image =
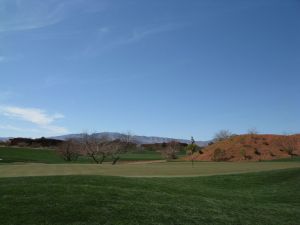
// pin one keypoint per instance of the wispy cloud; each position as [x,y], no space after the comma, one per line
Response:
[132,36]
[139,34]
[35,116]
[26,15]
[18,15]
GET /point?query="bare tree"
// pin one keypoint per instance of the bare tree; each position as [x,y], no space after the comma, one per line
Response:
[252,131]
[289,144]
[120,146]
[222,135]
[69,150]
[170,150]
[95,147]
[100,148]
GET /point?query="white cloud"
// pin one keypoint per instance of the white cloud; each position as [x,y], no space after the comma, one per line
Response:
[35,116]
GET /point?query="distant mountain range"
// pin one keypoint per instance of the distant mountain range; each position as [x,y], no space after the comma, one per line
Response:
[136,138]
[4,138]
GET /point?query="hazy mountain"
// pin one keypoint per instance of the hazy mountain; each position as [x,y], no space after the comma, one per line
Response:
[4,138]
[136,138]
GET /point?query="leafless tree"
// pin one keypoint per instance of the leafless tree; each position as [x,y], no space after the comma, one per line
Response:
[95,147]
[69,150]
[222,135]
[100,148]
[170,150]
[252,131]
[120,146]
[288,144]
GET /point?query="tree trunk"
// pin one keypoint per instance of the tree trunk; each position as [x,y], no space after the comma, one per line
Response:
[115,160]
[94,158]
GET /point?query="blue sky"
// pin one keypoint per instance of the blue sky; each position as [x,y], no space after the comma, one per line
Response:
[163,67]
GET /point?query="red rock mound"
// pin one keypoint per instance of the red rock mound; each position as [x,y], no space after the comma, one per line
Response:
[251,147]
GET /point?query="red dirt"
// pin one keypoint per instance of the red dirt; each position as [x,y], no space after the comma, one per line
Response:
[250,148]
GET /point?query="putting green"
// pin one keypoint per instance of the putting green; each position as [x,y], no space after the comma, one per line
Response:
[161,169]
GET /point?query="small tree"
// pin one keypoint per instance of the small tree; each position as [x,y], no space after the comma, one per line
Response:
[289,144]
[170,150]
[95,147]
[119,146]
[219,155]
[69,150]
[99,148]
[252,131]
[191,149]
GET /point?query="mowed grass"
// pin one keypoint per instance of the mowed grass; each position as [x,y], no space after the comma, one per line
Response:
[264,198]
[11,154]
[162,169]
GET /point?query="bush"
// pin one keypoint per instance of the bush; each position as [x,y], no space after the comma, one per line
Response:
[257,152]
[22,144]
[219,155]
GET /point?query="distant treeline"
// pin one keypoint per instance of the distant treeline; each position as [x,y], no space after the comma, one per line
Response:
[38,142]
[156,146]
[48,142]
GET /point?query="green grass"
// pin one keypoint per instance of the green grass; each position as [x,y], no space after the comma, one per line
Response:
[163,169]
[292,159]
[264,198]
[11,155]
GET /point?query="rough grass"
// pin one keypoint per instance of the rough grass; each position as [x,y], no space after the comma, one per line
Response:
[264,198]
[142,169]
[29,155]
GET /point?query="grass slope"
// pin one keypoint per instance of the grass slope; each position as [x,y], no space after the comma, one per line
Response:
[247,199]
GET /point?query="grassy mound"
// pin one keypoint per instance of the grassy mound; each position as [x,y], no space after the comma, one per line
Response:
[258,198]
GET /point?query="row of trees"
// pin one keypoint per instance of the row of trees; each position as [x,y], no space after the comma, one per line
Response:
[97,148]
[101,148]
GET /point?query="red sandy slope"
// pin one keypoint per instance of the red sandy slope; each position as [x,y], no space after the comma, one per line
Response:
[250,148]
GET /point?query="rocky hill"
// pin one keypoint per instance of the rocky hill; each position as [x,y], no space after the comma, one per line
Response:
[251,148]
